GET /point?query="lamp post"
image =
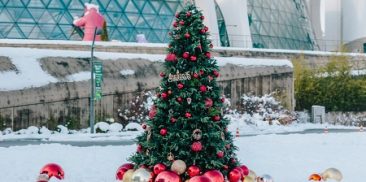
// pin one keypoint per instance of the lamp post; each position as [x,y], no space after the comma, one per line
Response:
[97,31]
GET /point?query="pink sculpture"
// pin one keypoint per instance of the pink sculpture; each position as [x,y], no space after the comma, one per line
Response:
[91,19]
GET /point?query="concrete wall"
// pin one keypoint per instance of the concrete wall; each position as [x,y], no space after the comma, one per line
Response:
[64,101]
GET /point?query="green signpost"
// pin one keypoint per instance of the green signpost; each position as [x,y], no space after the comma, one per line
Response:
[98,77]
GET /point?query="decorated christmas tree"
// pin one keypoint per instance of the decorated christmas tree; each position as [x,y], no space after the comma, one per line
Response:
[186,136]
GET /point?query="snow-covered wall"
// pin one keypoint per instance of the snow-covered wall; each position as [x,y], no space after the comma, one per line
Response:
[54,84]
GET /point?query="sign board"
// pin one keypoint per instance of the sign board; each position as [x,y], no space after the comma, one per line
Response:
[98,78]
[318,114]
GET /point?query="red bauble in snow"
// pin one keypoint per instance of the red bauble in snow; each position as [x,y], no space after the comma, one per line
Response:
[245,170]
[162,74]
[188,115]
[170,57]
[53,170]
[216,73]
[187,35]
[195,75]
[208,55]
[152,112]
[158,168]
[234,175]
[216,118]
[188,14]
[193,58]
[185,55]
[215,176]
[193,171]
[180,85]
[179,99]
[164,95]
[175,24]
[208,103]
[200,179]
[196,146]
[202,31]
[167,176]
[122,170]
[220,154]
[163,131]
[202,17]
[203,88]
[173,120]
[139,148]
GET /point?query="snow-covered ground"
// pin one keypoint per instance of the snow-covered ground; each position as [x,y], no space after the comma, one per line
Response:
[287,158]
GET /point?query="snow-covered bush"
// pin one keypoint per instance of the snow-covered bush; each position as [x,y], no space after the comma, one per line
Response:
[7,131]
[133,127]
[138,109]
[101,127]
[62,129]
[115,127]
[45,130]
[32,130]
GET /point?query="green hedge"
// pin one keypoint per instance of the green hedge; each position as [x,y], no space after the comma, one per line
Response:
[332,86]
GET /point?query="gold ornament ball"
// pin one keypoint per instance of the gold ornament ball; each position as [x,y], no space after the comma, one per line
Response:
[127,177]
[179,167]
[251,177]
[141,175]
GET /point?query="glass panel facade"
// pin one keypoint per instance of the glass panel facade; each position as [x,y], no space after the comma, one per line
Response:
[224,38]
[52,19]
[280,24]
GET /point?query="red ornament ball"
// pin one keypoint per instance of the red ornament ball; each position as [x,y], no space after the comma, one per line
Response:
[225,167]
[144,126]
[202,17]
[162,74]
[188,14]
[187,35]
[158,95]
[216,73]
[195,75]
[215,176]
[220,154]
[193,58]
[53,170]
[168,176]
[152,112]
[200,179]
[185,55]
[188,115]
[122,170]
[171,57]
[216,118]
[193,171]
[203,88]
[245,170]
[139,148]
[234,175]
[206,28]
[202,31]
[164,95]
[223,99]
[181,22]
[208,103]
[163,131]
[180,86]
[211,45]
[177,15]
[196,146]
[202,72]
[175,24]
[173,120]
[208,55]
[170,92]
[158,168]
[179,99]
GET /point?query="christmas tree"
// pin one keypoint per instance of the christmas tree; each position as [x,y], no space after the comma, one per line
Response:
[186,133]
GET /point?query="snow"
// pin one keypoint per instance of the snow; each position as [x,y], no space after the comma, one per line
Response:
[133,127]
[81,76]
[31,73]
[287,158]
[127,72]
[103,126]
[115,127]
